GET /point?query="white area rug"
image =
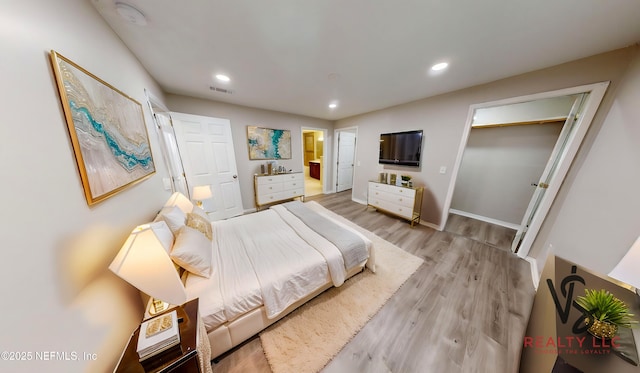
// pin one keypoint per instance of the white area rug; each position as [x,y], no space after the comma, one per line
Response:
[308,338]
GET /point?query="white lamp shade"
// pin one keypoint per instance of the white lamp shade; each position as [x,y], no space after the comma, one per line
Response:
[202,192]
[144,262]
[628,269]
[180,200]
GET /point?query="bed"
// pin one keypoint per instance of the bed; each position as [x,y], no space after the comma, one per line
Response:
[252,270]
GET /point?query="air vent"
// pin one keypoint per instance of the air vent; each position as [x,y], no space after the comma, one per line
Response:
[221,90]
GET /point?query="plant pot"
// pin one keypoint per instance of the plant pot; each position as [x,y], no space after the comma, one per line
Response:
[601,329]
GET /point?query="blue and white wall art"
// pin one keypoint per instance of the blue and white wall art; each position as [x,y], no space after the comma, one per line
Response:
[107,129]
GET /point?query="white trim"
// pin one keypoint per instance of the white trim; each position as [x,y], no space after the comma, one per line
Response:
[429,225]
[325,133]
[153,100]
[535,277]
[597,91]
[359,201]
[485,219]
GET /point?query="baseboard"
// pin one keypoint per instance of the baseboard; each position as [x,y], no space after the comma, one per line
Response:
[535,277]
[359,201]
[430,225]
[485,219]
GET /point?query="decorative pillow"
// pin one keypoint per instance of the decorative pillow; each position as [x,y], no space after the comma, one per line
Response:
[192,251]
[201,224]
[173,216]
[198,210]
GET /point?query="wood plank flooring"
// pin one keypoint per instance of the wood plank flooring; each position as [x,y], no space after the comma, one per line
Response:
[464,310]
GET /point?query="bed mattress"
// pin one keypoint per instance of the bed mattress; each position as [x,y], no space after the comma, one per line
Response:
[267,259]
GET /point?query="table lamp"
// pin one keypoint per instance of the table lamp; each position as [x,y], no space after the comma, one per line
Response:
[144,262]
[628,269]
[200,193]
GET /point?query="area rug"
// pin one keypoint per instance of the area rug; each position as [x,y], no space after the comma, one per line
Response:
[308,338]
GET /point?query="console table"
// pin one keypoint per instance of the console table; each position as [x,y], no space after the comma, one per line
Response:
[405,202]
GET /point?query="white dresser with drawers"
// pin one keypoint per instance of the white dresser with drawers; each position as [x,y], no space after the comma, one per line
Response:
[405,202]
[277,188]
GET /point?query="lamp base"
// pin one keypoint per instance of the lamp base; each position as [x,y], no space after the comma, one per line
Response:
[158,306]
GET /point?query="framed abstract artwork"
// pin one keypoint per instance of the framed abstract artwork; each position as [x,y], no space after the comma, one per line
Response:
[267,143]
[107,130]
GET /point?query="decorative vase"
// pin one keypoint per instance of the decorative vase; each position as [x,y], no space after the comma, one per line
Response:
[601,329]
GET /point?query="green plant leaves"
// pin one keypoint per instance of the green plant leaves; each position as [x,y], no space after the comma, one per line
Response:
[604,306]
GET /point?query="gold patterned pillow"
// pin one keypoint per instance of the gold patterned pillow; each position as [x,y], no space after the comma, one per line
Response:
[201,224]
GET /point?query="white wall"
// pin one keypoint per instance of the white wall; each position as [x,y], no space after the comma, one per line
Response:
[442,118]
[498,167]
[241,117]
[57,294]
[595,218]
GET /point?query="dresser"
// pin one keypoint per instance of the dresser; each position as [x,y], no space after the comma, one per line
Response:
[405,202]
[277,188]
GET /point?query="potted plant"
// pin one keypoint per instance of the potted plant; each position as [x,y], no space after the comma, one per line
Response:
[604,313]
[406,179]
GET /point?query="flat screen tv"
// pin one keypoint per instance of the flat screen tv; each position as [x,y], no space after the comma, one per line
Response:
[401,148]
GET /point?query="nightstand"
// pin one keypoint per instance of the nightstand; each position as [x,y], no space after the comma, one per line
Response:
[187,362]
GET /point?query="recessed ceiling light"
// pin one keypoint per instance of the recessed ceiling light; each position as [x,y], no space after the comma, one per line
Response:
[223,78]
[333,105]
[439,66]
[131,14]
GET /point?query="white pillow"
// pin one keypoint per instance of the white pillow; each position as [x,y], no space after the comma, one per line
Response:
[164,234]
[173,216]
[180,200]
[192,251]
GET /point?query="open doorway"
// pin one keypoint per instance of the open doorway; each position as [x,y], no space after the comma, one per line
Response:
[313,161]
[565,149]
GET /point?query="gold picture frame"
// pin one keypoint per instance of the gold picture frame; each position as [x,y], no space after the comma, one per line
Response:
[268,143]
[107,130]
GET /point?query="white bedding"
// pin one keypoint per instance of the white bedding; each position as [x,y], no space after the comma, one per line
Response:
[267,258]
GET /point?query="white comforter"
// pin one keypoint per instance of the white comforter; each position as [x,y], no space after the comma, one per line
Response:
[268,258]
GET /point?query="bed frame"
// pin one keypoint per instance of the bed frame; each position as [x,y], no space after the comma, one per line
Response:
[233,333]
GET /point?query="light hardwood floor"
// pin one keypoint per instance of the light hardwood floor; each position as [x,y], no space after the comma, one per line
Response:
[464,310]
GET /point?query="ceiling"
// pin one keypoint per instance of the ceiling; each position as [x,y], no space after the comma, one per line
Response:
[298,56]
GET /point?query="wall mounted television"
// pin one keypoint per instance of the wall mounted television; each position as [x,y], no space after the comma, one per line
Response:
[401,148]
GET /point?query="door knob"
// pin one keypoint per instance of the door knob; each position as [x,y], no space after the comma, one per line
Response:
[235,176]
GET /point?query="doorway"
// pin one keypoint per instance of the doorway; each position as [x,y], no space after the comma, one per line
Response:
[562,155]
[207,153]
[345,158]
[313,150]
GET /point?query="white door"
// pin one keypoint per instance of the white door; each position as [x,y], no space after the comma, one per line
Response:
[172,155]
[549,171]
[346,156]
[206,148]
